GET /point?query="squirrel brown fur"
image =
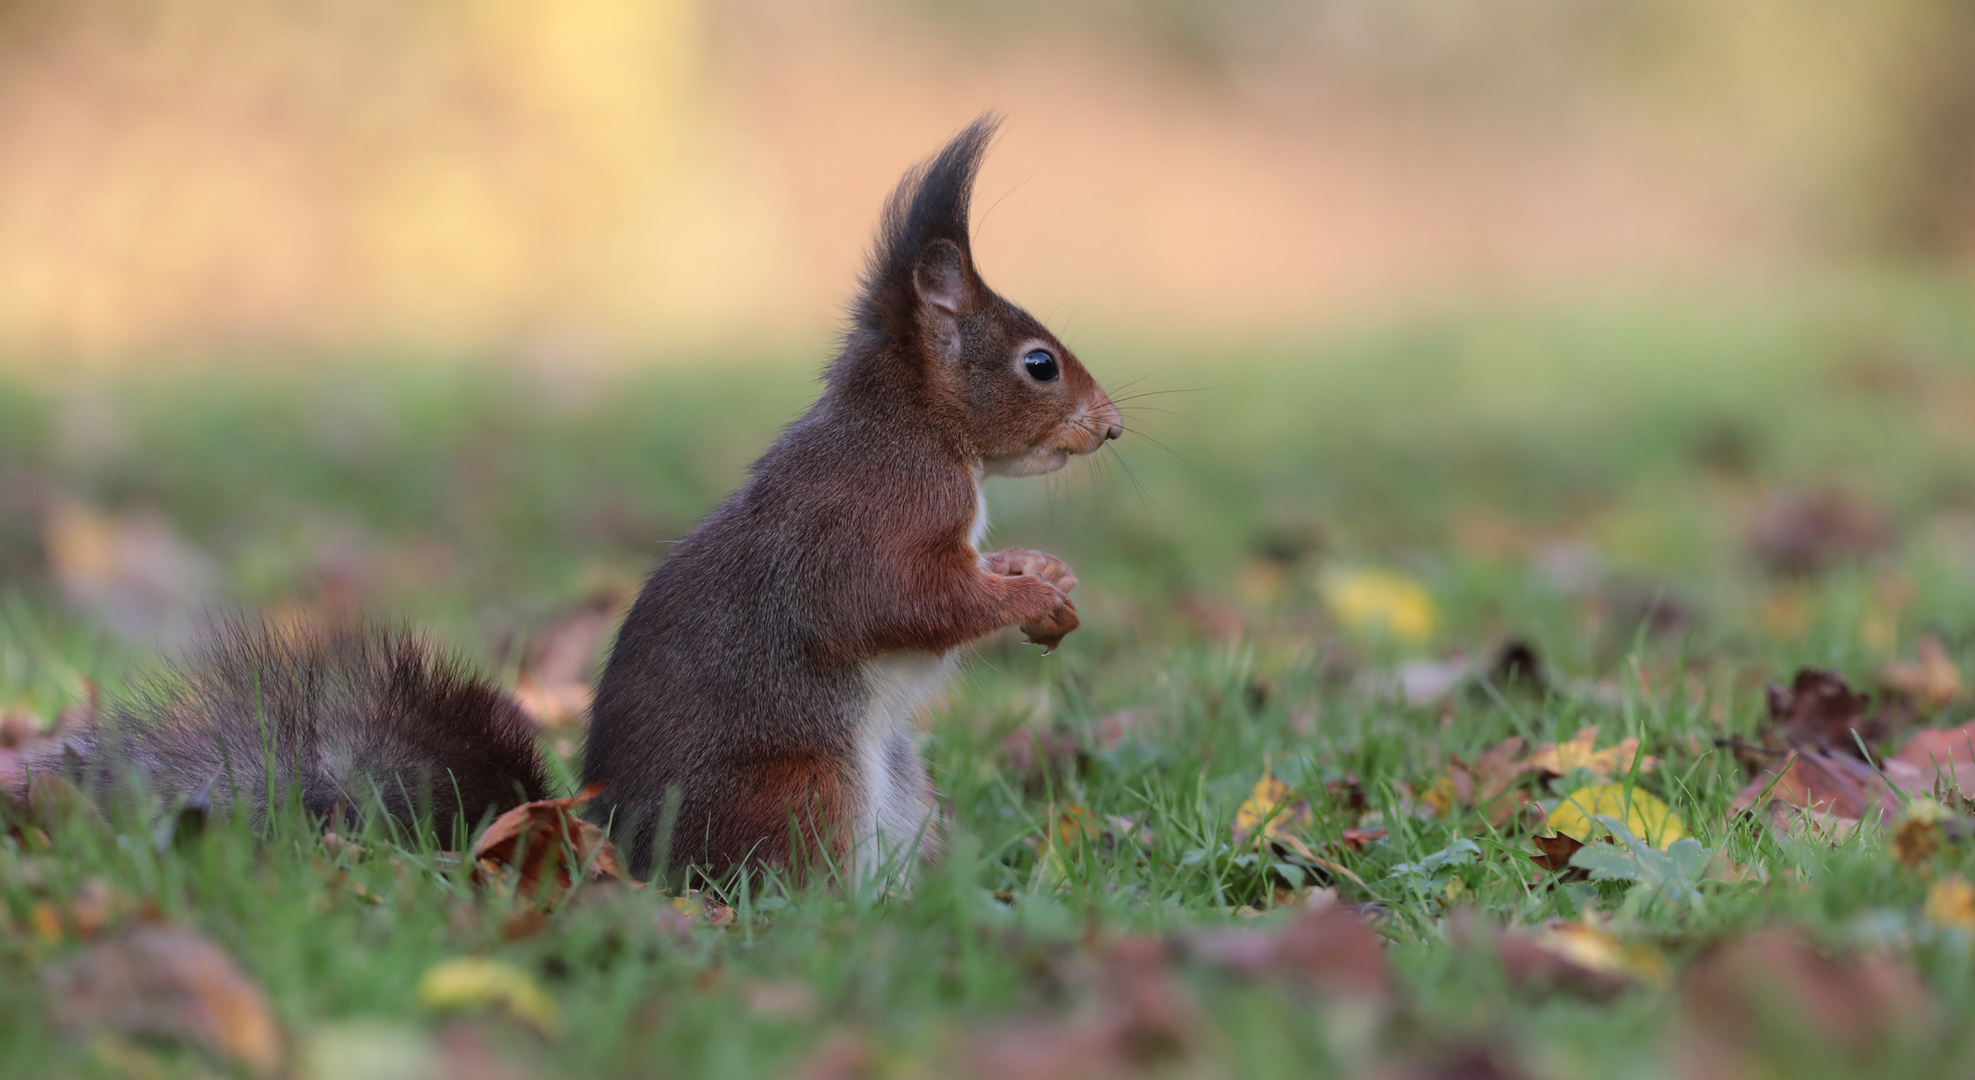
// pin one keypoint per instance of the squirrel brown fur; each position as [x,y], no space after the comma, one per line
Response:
[757,703]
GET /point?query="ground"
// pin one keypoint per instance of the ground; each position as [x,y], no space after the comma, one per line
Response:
[1309,568]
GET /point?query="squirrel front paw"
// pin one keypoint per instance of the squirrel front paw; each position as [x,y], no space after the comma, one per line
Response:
[1021,562]
[1046,615]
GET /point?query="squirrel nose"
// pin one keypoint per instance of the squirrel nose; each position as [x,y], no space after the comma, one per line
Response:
[1115,431]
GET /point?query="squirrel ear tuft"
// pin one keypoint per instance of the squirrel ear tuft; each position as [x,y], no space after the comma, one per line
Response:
[923,254]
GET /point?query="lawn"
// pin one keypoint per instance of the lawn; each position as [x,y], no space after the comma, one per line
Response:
[1308,565]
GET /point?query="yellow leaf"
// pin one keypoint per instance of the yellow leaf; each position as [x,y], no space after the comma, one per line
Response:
[1559,758]
[476,982]
[1644,815]
[1274,807]
[1951,903]
[1593,949]
[1918,835]
[1440,796]
[1377,602]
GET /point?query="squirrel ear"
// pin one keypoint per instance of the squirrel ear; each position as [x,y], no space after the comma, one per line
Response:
[940,276]
[920,271]
[939,279]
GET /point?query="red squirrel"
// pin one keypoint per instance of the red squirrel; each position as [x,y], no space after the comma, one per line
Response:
[757,704]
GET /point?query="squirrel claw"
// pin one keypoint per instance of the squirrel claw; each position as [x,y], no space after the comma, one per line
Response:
[1048,644]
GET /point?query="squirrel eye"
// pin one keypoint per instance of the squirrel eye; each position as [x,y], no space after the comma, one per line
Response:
[1040,365]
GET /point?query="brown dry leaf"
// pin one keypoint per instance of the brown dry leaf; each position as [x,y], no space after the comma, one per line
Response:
[1931,680]
[561,659]
[1553,855]
[1560,758]
[1840,785]
[1943,755]
[842,1055]
[1811,531]
[18,726]
[1135,1017]
[548,836]
[1576,958]
[1819,709]
[163,981]
[1331,950]
[1359,839]
[1744,999]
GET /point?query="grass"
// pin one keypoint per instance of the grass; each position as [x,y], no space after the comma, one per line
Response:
[1545,475]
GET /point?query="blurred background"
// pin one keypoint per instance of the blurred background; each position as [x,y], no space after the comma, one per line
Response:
[1643,317]
[602,180]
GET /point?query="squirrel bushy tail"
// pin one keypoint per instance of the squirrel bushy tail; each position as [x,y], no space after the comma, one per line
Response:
[346,717]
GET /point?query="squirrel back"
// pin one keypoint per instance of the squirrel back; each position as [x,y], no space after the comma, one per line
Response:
[347,717]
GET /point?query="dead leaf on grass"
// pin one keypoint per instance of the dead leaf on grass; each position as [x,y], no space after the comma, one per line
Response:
[475,982]
[1951,903]
[1809,532]
[560,661]
[1273,807]
[1931,680]
[1838,785]
[162,981]
[1553,855]
[551,841]
[1742,999]
[1917,836]
[1575,958]
[1644,815]
[1820,710]
[1273,814]
[1331,950]
[1562,758]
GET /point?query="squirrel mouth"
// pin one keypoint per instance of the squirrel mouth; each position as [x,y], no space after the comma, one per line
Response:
[1042,459]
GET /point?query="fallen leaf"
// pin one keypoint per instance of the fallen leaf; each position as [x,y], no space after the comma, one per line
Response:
[546,835]
[1553,855]
[560,662]
[1945,755]
[1820,710]
[1359,839]
[1951,903]
[1331,950]
[1744,999]
[18,727]
[1273,807]
[1840,785]
[163,981]
[134,572]
[1571,958]
[1918,835]
[474,982]
[1562,758]
[695,908]
[1812,531]
[1642,812]
[782,1000]
[1380,603]
[842,1055]
[1931,680]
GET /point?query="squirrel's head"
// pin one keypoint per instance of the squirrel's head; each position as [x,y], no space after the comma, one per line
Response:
[926,324]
